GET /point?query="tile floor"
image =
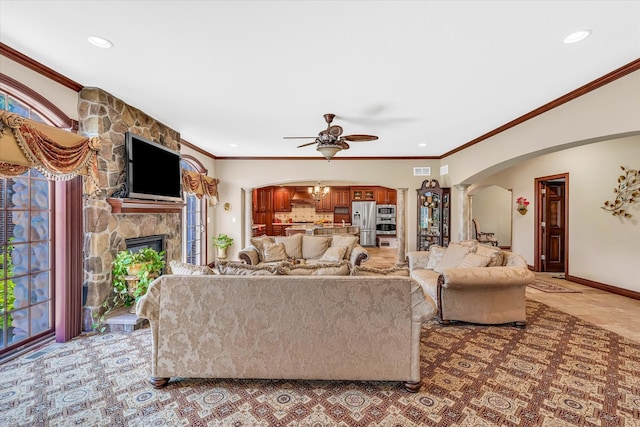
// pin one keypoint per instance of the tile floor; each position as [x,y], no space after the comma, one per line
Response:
[609,311]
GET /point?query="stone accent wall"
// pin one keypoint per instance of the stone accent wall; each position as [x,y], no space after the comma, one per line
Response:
[104,233]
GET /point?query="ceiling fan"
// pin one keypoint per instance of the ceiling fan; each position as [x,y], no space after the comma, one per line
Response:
[330,140]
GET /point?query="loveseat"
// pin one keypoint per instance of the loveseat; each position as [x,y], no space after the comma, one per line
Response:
[304,249]
[472,282]
[286,327]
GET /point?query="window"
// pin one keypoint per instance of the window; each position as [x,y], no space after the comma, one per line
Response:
[194,228]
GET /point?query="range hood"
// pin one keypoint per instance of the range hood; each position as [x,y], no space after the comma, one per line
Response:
[302,197]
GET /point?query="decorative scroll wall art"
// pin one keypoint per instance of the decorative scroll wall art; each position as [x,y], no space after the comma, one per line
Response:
[200,185]
[57,154]
[627,192]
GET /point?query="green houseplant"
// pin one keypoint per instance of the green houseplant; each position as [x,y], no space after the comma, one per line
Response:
[222,242]
[131,275]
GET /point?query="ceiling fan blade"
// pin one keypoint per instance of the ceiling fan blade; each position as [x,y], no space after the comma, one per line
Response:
[335,130]
[343,144]
[304,145]
[360,138]
[298,137]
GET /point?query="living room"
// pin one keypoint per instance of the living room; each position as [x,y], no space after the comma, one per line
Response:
[588,137]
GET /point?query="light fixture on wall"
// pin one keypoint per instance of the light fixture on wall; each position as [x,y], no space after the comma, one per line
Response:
[318,191]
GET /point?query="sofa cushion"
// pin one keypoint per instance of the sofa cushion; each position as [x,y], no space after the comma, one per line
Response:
[242,269]
[453,256]
[314,246]
[494,254]
[292,244]
[474,260]
[435,255]
[347,240]
[395,270]
[178,267]
[342,268]
[258,243]
[272,252]
[334,254]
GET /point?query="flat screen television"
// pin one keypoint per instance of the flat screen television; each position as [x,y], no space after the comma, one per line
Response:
[153,171]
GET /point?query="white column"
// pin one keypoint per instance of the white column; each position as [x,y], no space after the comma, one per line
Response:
[401,228]
[463,211]
[248,216]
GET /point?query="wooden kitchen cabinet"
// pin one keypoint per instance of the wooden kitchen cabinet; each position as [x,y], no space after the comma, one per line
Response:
[386,196]
[341,197]
[325,204]
[364,193]
[264,199]
[282,199]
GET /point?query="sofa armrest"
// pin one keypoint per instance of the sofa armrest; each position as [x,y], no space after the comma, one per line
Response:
[148,306]
[358,255]
[459,278]
[249,255]
[417,260]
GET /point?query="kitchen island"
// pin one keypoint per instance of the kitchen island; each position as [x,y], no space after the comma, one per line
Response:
[324,229]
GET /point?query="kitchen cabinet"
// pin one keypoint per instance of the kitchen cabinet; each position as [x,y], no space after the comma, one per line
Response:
[325,204]
[386,196]
[359,194]
[264,199]
[280,229]
[264,218]
[434,215]
[341,197]
[282,199]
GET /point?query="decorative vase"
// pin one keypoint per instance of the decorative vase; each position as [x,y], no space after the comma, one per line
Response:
[222,253]
[522,209]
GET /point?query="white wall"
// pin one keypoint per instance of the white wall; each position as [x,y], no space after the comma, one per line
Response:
[602,248]
[491,207]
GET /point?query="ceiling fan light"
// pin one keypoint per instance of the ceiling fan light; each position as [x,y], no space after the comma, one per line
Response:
[328,151]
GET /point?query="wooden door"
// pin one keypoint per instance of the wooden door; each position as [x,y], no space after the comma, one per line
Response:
[554,227]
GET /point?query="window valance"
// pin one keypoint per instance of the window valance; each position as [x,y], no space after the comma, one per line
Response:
[57,154]
[200,185]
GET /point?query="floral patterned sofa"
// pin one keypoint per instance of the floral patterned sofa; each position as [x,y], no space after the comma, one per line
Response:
[286,327]
[472,282]
[299,254]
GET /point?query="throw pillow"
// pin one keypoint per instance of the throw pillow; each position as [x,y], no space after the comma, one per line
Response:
[178,267]
[452,257]
[347,240]
[258,242]
[474,260]
[274,252]
[242,269]
[292,244]
[495,254]
[314,246]
[334,254]
[435,255]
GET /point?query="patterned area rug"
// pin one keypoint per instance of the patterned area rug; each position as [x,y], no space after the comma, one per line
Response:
[559,371]
[552,288]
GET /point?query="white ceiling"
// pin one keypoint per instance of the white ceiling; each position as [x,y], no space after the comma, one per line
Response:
[250,72]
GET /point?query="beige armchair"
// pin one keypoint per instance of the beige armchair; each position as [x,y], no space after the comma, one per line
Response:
[483,237]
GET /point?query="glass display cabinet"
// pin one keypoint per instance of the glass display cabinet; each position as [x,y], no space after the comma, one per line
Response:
[434,215]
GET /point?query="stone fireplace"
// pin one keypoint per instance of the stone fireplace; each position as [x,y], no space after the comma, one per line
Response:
[108,230]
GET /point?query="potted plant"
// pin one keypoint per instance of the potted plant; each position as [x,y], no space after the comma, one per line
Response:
[222,242]
[131,275]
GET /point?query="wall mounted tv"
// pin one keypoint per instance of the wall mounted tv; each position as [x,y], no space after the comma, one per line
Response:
[153,171]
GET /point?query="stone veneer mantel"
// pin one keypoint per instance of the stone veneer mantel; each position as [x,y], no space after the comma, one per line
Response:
[124,206]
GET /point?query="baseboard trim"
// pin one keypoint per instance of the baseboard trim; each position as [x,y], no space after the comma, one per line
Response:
[604,287]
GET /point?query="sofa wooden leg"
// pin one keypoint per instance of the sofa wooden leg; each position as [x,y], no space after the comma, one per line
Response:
[158,382]
[412,387]
[520,325]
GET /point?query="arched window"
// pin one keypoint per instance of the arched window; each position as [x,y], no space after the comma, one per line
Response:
[194,247]
[27,220]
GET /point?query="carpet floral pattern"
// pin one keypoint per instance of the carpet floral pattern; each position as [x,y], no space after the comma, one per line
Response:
[559,371]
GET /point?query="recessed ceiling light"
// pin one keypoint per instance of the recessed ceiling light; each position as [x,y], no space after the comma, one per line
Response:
[422,144]
[100,42]
[233,145]
[577,36]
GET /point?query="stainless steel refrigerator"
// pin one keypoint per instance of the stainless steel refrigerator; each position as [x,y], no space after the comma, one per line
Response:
[363,215]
